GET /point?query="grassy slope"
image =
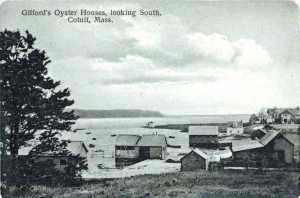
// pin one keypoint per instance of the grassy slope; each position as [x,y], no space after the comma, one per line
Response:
[188,184]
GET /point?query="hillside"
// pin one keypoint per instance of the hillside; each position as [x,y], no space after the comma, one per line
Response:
[220,184]
[116,113]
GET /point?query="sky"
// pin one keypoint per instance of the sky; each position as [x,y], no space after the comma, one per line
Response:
[197,58]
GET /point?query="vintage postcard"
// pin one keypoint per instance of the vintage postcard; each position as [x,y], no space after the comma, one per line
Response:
[150,98]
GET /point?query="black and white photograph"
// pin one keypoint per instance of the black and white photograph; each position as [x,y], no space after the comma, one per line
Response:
[169,98]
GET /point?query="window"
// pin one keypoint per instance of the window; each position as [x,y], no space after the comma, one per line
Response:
[63,162]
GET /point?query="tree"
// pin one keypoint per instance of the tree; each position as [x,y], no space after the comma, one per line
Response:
[253,119]
[262,115]
[32,104]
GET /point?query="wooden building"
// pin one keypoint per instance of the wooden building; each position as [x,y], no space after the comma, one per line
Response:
[283,115]
[130,149]
[203,136]
[126,150]
[273,145]
[74,147]
[195,160]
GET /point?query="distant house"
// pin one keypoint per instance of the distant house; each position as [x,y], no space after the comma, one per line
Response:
[130,149]
[203,136]
[283,115]
[61,161]
[195,160]
[150,124]
[235,128]
[272,145]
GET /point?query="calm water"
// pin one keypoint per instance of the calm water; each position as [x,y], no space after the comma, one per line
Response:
[115,123]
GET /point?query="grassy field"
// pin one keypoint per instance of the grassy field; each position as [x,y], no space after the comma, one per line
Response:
[184,184]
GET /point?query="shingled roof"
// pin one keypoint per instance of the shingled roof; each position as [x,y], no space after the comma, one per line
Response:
[127,140]
[137,140]
[241,145]
[72,146]
[203,130]
[152,140]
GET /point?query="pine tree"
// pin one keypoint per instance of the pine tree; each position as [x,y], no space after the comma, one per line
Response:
[31,102]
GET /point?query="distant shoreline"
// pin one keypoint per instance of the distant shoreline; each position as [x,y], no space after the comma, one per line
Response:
[116,113]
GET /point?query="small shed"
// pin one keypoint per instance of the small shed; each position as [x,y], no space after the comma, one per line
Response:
[150,124]
[195,160]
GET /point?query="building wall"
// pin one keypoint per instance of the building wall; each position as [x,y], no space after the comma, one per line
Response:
[55,160]
[231,130]
[281,144]
[286,117]
[201,140]
[156,152]
[192,162]
[127,153]
[272,150]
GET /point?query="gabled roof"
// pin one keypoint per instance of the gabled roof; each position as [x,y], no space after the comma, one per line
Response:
[293,111]
[127,140]
[152,140]
[290,111]
[198,152]
[24,150]
[72,146]
[241,145]
[203,130]
[268,137]
[201,153]
[75,146]
[239,124]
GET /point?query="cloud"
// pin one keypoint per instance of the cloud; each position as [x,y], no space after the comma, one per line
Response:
[244,53]
[250,54]
[214,47]
[138,69]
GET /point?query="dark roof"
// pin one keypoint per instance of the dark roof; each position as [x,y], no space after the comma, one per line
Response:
[127,140]
[268,137]
[152,140]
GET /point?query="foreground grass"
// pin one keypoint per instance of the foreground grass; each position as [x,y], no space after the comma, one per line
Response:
[219,184]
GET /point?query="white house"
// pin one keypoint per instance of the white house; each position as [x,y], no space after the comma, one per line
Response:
[235,128]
